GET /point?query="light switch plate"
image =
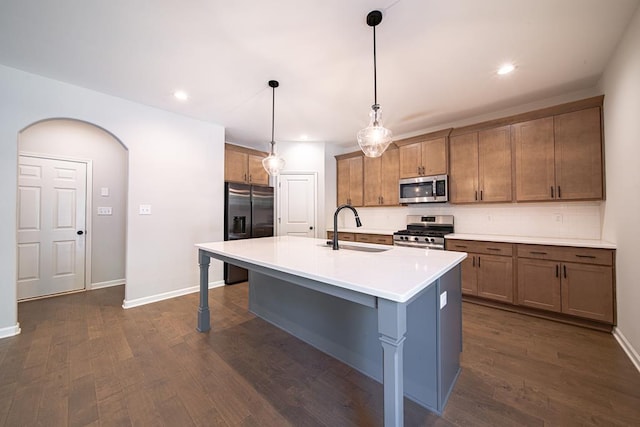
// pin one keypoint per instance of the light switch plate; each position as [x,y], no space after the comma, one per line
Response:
[145,210]
[104,210]
[443,300]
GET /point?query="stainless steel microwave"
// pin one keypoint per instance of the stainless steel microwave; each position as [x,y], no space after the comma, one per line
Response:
[424,189]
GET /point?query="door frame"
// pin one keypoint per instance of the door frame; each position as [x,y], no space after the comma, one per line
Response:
[278,204]
[87,208]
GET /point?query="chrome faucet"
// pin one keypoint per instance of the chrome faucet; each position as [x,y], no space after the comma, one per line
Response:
[335,223]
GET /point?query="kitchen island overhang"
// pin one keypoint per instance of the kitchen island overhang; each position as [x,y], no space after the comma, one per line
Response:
[351,304]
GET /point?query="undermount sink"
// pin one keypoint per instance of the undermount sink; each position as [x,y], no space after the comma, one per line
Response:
[358,248]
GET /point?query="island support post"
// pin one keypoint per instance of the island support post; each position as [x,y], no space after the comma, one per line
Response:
[392,326]
[204,322]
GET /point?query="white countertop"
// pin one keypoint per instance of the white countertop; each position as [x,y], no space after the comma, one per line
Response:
[364,231]
[580,243]
[397,274]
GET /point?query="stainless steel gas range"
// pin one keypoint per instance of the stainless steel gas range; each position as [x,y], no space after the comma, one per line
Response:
[424,231]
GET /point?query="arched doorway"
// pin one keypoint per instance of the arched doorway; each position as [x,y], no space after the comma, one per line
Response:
[68,141]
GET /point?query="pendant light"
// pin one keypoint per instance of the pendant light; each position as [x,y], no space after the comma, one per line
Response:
[273,163]
[375,138]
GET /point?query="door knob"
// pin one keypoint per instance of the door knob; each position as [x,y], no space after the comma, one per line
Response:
[310,228]
[80,233]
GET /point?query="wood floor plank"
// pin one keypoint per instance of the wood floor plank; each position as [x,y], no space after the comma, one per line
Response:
[83,360]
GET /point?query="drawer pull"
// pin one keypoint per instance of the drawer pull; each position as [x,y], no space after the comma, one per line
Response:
[494,249]
[586,256]
[537,253]
[460,246]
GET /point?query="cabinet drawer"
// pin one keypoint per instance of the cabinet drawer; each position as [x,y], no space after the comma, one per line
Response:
[349,237]
[381,239]
[567,254]
[489,248]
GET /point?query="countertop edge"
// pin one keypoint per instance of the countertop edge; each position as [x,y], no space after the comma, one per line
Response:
[549,241]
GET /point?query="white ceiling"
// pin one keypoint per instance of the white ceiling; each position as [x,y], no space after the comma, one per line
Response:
[437,59]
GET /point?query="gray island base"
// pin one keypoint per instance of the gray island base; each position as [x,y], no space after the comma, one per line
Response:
[410,341]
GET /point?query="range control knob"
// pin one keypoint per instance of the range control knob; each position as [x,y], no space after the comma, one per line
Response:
[415,238]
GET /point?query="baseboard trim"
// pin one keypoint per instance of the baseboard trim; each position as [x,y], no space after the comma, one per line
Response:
[10,331]
[627,347]
[107,284]
[167,295]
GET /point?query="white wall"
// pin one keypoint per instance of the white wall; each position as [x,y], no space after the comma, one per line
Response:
[79,140]
[621,85]
[176,164]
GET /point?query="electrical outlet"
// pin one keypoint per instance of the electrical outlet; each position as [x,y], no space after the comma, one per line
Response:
[104,191]
[558,218]
[443,300]
[145,210]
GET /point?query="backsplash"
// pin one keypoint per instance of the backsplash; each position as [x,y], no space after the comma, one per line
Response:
[578,220]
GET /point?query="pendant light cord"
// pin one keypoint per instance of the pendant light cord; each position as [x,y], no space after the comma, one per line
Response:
[375,76]
[273,117]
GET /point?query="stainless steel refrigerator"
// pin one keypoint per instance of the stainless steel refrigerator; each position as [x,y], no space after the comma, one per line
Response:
[248,214]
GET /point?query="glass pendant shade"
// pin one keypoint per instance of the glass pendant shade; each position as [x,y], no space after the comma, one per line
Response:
[375,138]
[273,164]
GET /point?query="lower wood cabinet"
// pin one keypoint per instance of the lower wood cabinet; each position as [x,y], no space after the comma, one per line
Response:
[349,237]
[574,283]
[488,270]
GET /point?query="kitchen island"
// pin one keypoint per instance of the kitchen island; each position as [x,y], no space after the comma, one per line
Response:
[392,313]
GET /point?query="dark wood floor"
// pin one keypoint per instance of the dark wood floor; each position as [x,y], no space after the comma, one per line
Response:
[83,360]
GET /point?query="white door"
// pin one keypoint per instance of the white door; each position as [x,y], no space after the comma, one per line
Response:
[297,195]
[51,226]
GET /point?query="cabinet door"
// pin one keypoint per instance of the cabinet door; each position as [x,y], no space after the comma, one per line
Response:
[494,165]
[463,180]
[356,181]
[235,166]
[578,155]
[469,279]
[390,169]
[343,175]
[434,156]
[534,157]
[539,284]
[410,160]
[495,277]
[372,180]
[587,291]
[257,174]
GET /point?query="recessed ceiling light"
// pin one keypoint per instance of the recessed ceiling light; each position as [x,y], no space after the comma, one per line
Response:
[181,95]
[506,69]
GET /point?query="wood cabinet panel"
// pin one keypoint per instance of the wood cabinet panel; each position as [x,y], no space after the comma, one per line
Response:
[578,155]
[463,180]
[235,166]
[568,254]
[535,159]
[494,165]
[539,284]
[480,247]
[257,174]
[495,277]
[587,291]
[423,158]
[350,176]
[380,239]
[244,165]
[349,237]
[469,279]
[381,175]
[481,166]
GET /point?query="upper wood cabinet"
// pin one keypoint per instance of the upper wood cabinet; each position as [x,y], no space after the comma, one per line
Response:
[424,155]
[244,165]
[559,157]
[480,169]
[350,179]
[381,176]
